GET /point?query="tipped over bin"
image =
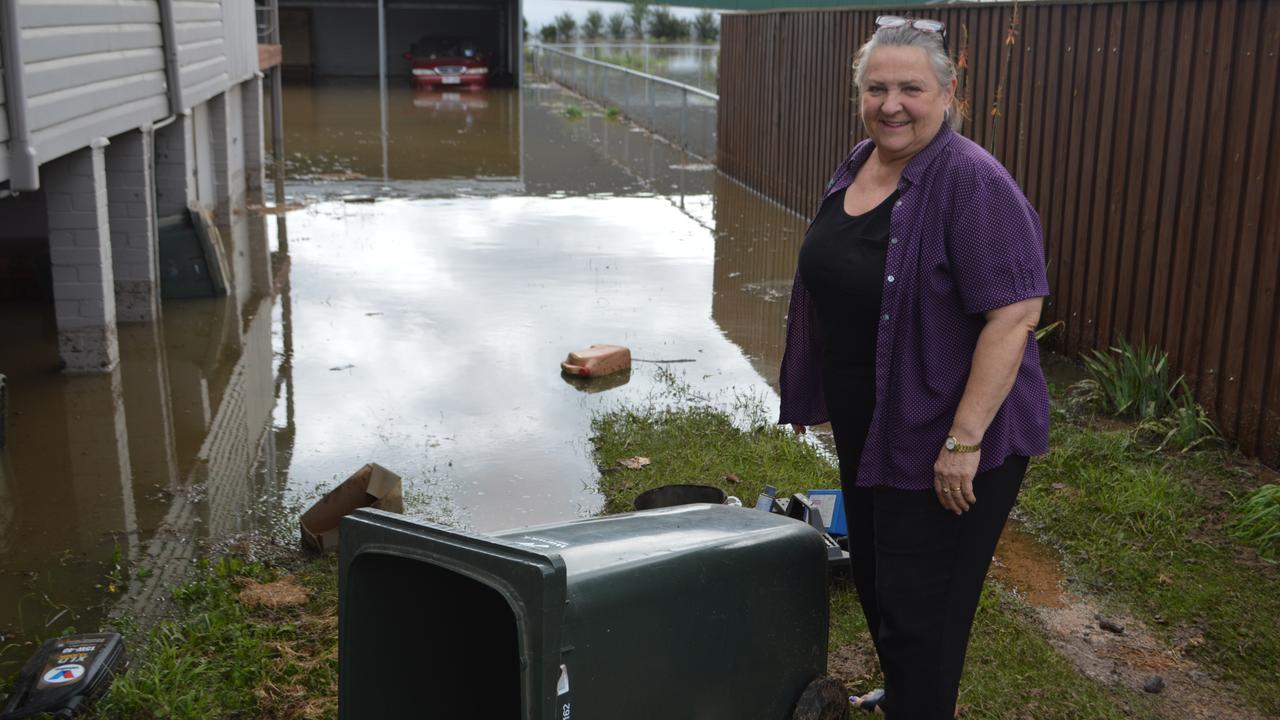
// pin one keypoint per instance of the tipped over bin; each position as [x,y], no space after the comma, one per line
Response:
[698,611]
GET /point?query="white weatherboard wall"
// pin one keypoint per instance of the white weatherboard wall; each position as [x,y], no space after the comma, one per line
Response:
[96,68]
[4,124]
[91,70]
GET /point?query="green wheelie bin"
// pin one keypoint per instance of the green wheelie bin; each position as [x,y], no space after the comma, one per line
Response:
[696,612]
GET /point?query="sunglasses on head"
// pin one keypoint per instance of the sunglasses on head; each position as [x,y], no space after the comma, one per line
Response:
[929,26]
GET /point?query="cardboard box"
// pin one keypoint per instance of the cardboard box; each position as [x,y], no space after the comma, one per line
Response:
[370,486]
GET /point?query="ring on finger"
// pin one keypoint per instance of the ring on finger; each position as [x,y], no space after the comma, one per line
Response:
[955,489]
[946,490]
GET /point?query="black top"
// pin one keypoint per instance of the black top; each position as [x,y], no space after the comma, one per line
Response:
[842,266]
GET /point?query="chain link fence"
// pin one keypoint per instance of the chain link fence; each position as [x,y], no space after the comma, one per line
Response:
[682,114]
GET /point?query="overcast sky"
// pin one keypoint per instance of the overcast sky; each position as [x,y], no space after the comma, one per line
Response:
[542,12]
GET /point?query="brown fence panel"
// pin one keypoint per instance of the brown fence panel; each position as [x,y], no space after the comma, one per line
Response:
[1144,132]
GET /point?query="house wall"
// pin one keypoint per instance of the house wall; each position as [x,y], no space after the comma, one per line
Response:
[96,69]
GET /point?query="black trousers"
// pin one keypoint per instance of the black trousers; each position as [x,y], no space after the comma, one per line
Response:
[919,569]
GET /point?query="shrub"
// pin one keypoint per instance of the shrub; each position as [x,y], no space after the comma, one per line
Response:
[618,26]
[593,26]
[638,13]
[1133,381]
[664,25]
[705,27]
[1258,521]
[547,33]
[566,26]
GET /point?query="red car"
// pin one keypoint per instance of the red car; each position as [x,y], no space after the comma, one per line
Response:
[439,62]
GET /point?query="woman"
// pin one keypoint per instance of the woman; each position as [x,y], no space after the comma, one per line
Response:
[919,285]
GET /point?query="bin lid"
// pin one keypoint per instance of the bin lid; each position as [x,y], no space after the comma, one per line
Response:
[654,535]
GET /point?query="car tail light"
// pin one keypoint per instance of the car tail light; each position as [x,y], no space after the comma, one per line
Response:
[423,71]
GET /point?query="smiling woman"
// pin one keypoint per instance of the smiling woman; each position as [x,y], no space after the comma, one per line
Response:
[918,287]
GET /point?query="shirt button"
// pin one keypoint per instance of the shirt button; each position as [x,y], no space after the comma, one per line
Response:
[884,318]
[890,278]
[898,204]
[893,241]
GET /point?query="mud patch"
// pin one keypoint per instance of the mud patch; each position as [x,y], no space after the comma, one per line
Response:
[1028,568]
[851,665]
[1130,659]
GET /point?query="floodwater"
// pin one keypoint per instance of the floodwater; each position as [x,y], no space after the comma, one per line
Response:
[694,65]
[429,283]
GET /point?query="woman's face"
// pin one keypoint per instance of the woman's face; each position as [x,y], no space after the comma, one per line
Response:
[903,105]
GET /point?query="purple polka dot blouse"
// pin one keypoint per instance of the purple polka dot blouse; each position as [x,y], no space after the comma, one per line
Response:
[963,239]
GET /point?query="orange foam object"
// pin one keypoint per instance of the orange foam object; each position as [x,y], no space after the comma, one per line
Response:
[597,360]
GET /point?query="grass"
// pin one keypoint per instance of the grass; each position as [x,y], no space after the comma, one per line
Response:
[1258,522]
[1148,531]
[703,445]
[223,658]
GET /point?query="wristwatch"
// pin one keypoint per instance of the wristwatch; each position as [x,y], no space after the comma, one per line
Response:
[955,445]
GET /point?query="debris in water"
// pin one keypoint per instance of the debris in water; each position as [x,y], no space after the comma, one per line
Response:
[370,486]
[634,463]
[1153,684]
[1110,625]
[597,360]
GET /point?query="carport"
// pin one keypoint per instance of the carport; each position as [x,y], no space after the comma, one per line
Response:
[340,38]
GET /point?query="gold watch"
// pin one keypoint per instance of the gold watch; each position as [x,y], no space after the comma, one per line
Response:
[955,445]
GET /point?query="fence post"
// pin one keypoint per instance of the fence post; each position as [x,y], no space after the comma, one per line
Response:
[684,121]
[652,103]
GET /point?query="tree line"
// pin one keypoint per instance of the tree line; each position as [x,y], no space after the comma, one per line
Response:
[641,21]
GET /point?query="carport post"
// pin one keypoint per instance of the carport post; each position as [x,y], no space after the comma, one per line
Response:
[382,80]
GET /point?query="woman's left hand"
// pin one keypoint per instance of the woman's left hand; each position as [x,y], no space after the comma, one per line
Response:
[953,475]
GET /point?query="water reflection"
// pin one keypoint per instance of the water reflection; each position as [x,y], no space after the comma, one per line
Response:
[108,481]
[334,131]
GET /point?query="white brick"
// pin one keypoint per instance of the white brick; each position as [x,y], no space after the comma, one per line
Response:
[75,256]
[90,274]
[79,290]
[90,238]
[62,238]
[64,273]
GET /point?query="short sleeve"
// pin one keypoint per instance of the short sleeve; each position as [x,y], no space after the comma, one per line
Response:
[995,247]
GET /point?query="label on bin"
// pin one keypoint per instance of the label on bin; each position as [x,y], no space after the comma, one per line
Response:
[564,707]
[63,674]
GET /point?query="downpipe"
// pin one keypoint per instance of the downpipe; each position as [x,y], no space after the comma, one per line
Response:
[24,170]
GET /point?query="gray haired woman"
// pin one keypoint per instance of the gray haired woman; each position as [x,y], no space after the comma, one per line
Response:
[917,292]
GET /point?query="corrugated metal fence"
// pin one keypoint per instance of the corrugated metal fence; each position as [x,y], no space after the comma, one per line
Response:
[1144,132]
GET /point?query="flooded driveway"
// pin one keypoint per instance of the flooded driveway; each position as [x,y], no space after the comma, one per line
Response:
[429,287]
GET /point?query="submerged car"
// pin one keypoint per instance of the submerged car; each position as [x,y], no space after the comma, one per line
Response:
[439,62]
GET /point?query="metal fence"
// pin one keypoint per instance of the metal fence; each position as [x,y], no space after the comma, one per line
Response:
[1144,132]
[682,114]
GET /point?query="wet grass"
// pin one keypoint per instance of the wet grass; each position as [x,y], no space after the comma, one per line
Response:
[224,657]
[1150,533]
[1012,671]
